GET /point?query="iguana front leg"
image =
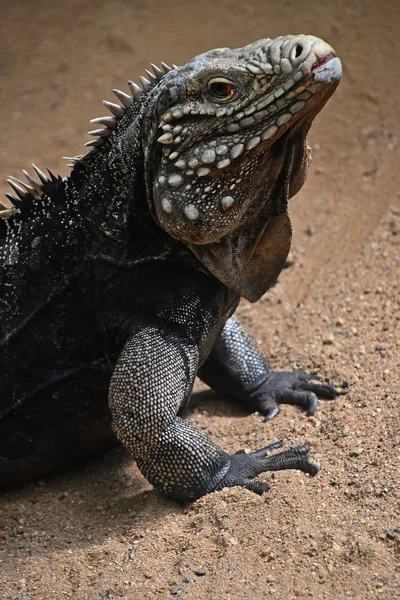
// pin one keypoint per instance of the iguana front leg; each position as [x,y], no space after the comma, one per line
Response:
[152,381]
[236,368]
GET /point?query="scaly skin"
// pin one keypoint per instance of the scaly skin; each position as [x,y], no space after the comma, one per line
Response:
[122,279]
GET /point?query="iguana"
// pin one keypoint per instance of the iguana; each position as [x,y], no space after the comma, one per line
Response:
[120,281]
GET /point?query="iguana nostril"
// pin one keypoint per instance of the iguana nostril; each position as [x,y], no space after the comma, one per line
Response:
[298,50]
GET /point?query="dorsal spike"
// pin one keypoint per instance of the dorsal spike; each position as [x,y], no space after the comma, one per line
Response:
[8,212]
[100,132]
[110,122]
[95,143]
[116,109]
[136,91]
[175,66]
[40,174]
[74,159]
[157,72]
[21,193]
[35,184]
[166,67]
[53,177]
[146,85]
[151,76]
[87,154]
[3,206]
[11,198]
[22,184]
[125,99]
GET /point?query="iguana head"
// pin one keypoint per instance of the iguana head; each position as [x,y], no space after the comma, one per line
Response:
[228,132]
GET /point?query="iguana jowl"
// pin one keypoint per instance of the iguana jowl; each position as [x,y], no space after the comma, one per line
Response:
[120,281]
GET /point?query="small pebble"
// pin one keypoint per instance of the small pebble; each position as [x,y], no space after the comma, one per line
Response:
[355,452]
[175,589]
[394,534]
[311,231]
[290,260]
[200,572]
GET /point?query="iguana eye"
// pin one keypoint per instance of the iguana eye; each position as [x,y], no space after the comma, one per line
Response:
[221,89]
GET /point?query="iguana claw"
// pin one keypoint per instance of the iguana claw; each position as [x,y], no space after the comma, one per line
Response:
[293,387]
[245,467]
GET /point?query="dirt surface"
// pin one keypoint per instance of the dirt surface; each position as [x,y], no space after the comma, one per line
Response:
[99,530]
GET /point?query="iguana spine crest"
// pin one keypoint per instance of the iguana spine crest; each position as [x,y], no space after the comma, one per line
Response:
[35,188]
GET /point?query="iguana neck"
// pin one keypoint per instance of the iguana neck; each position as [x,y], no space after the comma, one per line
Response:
[107,189]
[110,186]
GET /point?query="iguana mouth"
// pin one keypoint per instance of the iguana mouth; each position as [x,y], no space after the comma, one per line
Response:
[323,61]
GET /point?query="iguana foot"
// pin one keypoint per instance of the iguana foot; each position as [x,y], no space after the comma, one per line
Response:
[293,387]
[245,467]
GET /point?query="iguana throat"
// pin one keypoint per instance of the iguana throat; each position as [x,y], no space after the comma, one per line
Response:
[249,267]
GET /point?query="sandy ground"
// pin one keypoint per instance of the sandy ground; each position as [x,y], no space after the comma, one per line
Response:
[99,530]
